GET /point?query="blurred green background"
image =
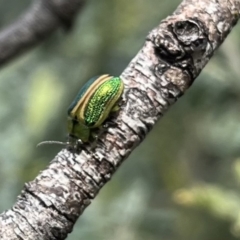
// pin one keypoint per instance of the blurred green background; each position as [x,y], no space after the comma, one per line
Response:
[182,182]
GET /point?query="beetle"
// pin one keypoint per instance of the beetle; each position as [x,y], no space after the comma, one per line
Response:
[93,104]
[95,101]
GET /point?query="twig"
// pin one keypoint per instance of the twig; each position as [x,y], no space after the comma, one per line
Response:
[35,25]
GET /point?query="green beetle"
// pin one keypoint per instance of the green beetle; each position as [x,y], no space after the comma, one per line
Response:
[91,107]
[93,104]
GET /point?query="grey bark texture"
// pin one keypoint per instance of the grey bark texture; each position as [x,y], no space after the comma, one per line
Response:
[36,24]
[172,57]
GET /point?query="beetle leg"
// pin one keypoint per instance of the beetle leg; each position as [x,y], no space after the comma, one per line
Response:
[74,143]
[94,136]
[115,108]
[109,124]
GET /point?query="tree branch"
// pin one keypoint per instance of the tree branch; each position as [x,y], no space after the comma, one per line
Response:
[42,18]
[172,57]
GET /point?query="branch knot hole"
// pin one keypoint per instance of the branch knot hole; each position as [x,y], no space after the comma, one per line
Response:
[191,35]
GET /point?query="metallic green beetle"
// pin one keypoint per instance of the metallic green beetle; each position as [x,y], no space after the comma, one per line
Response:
[93,104]
[91,107]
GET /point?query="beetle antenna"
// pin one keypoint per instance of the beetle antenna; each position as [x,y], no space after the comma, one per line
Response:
[52,142]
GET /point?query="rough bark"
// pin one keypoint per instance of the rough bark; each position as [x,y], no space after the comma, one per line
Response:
[172,57]
[39,21]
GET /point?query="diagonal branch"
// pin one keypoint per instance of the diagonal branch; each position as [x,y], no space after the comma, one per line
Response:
[40,20]
[172,57]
